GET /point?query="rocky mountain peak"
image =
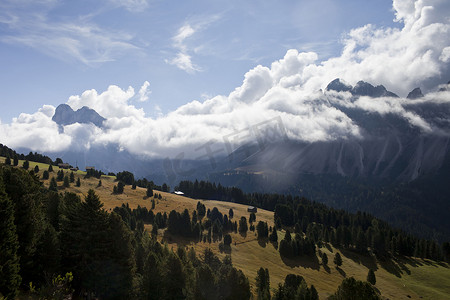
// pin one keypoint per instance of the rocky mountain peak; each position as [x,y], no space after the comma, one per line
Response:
[363,88]
[415,94]
[65,115]
[338,86]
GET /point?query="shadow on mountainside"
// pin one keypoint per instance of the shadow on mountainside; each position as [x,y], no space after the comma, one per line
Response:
[309,262]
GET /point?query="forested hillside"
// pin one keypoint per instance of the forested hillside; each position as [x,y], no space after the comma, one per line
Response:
[58,240]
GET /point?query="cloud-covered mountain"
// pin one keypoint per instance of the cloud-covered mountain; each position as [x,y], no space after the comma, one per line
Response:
[289,91]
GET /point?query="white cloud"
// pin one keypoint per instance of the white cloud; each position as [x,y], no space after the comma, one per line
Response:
[183,58]
[113,103]
[183,61]
[78,40]
[132,5]
[288,89]
[144,92]
[36,132]
[183,33]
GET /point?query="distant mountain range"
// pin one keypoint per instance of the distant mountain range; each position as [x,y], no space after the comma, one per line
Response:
[390,149]
[392,157]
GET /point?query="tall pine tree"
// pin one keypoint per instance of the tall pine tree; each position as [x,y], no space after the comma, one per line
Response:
[9,245]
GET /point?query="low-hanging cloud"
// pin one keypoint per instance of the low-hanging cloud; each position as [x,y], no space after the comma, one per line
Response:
[289,89]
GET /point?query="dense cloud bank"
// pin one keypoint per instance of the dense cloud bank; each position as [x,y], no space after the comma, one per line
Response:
[289,93]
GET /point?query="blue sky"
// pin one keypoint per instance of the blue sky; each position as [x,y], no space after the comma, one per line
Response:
[50,50]
[170,76]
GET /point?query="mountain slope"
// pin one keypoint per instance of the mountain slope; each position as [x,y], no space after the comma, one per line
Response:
[396,279]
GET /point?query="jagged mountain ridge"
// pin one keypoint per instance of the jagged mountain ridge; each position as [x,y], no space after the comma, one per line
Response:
[389,149]
[65,115]
[361,88]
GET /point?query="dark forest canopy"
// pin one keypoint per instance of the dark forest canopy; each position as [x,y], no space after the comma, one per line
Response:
[319,223]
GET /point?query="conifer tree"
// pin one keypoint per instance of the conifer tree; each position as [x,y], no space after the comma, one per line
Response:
[60,175]
[314,293]
[252,218]
[371,277]
[72,177]
[351,288]
[120,187]
[36,169]
[66,181]
[28,218]
[50,168]
[243,227]
[149,191]
[99,183]
[9,245]
[154,229]
[45,175]
[78,184]
[26,164]
[263,284]
[53,185]
[273,236]
[174,278]
[227,240]
[16,161]
[8,161]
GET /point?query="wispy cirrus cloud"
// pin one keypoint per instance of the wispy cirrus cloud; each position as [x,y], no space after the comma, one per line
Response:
[183,58]
[75,40]
[131,5]
[401,58]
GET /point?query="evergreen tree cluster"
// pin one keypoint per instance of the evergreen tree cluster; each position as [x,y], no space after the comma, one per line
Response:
[144,183]
[140,214]
[36,157]
[351,288]
[318,223]
[93,173]
[126,177]
[295,287]
[262,230]
[45,235]
[360,232]
[297,246]
[119,188]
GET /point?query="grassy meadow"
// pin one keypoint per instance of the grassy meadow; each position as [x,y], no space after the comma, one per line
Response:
[404,278]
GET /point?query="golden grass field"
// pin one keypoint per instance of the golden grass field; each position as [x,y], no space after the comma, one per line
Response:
[408,278]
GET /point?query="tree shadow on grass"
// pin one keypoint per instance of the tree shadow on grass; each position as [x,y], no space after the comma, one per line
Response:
[275,245]
[391,266]
[309,262]
[342,272]
[413,262]
[326,268]
[366,260]
[262,242]
[402,265]
[243,233]
[181,241]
